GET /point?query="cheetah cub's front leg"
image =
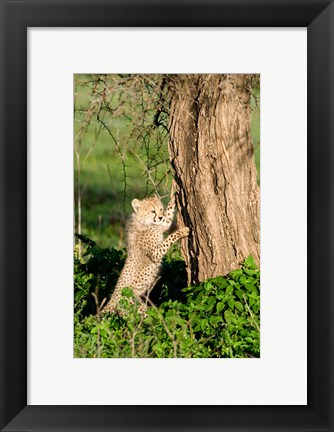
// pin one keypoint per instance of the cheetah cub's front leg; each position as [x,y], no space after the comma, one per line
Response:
[158,252]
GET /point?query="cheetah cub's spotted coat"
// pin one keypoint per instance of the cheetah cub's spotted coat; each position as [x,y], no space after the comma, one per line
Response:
[146,248]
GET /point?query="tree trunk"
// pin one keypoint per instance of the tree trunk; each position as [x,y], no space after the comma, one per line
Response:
[212,157]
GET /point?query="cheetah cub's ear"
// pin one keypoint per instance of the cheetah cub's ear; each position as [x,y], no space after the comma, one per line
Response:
[135,205]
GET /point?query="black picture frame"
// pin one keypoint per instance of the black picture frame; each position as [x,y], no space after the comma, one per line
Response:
[16,17]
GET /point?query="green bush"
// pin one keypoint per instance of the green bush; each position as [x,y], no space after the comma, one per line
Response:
[218,318]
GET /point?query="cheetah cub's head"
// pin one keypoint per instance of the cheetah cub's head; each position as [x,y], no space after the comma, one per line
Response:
[149,211]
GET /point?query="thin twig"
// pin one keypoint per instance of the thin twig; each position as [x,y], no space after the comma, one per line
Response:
[139,159]
[250,312]
[98,314]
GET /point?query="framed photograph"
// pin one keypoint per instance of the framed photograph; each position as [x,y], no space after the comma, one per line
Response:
[105,104]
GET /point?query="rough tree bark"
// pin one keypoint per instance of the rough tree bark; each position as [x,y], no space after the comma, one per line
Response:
[212,157]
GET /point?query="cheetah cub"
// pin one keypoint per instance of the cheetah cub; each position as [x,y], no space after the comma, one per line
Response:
[145,249]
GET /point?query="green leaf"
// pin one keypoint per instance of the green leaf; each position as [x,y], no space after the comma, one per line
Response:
[249,286]
[251,272]
[220,306]
[103,333]
[214,319]
[250,280]
[244,333]
[208,286]
[236,273]
[230,302]
[229,316]
[239,306]
[79,295]
[199,297]
[204,323]
[255,308]
[229,290]
[240,294]
[219,281]
[250,263]
[211,302]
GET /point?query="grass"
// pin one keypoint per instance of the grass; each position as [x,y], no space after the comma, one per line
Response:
[220,317]
[109,178]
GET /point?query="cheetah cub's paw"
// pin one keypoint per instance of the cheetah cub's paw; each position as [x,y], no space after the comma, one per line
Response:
[184,232]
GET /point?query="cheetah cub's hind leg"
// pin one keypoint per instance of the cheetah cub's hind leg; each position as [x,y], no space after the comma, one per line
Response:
[114,305]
